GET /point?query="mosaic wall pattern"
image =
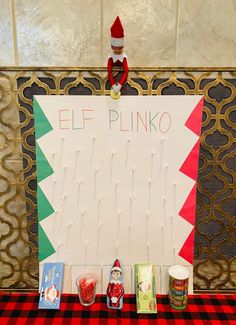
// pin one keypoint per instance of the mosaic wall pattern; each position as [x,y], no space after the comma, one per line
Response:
[215,240]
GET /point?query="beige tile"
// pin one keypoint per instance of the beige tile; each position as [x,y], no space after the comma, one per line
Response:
[10,115]
[58,33]
[6,44]
[206,33]
[149,30]
[14,167]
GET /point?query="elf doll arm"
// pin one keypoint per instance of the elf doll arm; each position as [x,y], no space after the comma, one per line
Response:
[109,69]
[125,72]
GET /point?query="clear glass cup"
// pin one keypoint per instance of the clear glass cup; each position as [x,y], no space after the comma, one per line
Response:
[86,286]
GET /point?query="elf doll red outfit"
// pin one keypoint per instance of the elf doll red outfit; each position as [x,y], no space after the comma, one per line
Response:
[115,289]
[117,57]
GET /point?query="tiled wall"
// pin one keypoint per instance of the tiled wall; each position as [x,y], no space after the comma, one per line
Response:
[157,32]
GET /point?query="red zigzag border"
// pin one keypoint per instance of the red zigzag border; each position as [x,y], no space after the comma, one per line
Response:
[190,169]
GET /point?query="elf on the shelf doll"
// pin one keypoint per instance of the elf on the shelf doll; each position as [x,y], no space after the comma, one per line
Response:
[117,57]
[115,289]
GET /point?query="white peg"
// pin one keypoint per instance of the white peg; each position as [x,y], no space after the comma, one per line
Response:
[172,228]
[53,189]
[174,255]
[132,181]
[64,177]
[127,153]
[68,233]
[130,231]
[118,226]
[117,249]
[58,250]
[151,163]
[53,158]
[147,224]
[164,210]
[98,237]
[61,149]
[111,165]
[161,154]
[116,190]
[52,164]
[70,276]
[174,198]
[166,178]
[55,221]
[63,205]
[78,193]
[148,252]
[76,160]
[95,181]
[81,226]
[92,151]
[86,253]
[162,240]
[149,193]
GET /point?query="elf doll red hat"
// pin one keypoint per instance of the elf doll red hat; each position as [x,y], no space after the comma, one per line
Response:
[116,266]
[117,33]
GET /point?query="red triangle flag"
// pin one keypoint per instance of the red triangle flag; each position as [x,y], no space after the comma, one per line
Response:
[194,121]
[189,208]
[190,165]
[186,251]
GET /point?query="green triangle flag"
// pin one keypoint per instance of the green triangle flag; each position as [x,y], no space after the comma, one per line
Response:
[41,123]
[44,207]
[43,167]
[45,247]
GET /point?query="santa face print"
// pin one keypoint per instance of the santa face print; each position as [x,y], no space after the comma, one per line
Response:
[51,294]
[115,275]
[117,49]
[144,286]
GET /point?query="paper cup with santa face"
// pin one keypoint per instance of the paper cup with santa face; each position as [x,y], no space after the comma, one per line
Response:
[178,286]
[86,285]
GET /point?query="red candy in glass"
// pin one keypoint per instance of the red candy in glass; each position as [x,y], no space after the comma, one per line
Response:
[86,284]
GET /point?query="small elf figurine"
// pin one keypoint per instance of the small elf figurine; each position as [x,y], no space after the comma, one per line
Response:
[117,58]
[115,289]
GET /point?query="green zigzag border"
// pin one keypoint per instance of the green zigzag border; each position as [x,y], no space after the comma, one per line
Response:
[41,124]
[44,169]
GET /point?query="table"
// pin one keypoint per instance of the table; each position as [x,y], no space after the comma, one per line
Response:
[202,309]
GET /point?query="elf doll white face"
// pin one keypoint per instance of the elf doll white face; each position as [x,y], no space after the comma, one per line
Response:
[117,50]
[115,275]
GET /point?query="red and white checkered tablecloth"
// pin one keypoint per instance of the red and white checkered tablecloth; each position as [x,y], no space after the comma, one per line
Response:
[202,309]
